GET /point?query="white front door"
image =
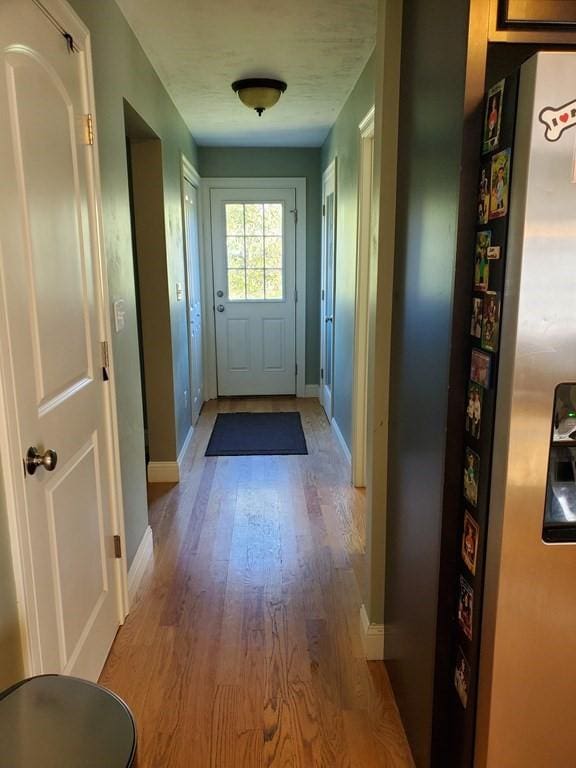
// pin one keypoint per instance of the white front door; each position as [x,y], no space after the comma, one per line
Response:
[253,241]
[51,337]
[327,296]
[194,299]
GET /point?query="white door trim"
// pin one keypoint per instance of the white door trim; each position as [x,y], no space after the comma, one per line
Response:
[329,181]
[209,338]
[9,441]
[359,391]
[189,172]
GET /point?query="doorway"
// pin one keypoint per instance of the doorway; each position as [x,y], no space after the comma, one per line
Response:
[146,186]
[361,340]
[327,288]
[190,183]
[255,333]
[57,395]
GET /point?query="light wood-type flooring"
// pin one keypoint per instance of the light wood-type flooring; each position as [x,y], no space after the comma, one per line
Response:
[243,646]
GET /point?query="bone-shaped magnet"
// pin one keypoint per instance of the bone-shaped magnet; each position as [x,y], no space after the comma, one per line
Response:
[558,120]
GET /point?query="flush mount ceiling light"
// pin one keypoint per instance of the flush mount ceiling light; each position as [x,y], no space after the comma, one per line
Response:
[259,93]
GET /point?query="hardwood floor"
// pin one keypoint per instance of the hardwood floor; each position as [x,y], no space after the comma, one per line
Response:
[243,647]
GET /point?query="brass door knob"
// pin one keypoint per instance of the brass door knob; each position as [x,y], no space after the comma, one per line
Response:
[33,460]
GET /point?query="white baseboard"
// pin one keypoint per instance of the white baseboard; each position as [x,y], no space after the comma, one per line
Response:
[169,471]
[312,390]
[144,553]
[372,637]
[341,440]
[163,472]
[185,445]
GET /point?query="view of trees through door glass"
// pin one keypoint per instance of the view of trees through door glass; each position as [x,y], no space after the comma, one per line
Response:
[254,252]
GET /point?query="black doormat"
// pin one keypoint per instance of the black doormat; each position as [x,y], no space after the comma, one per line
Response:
[257,434]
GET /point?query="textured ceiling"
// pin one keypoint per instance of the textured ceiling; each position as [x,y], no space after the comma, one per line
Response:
[199,47]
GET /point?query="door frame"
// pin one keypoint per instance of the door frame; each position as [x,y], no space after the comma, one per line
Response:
[189,173]
[12,476]
[209,320]
[329,183]
[361,319]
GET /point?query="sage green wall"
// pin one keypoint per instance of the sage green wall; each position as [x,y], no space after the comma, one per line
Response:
[122,71]
[343,143]
[249,162]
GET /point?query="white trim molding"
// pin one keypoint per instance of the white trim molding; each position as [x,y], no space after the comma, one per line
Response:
[144,554]
[185,444]
[169,471]
[312,390]
[209,335]
[341,441]
[372,637]
[362,300]
[163,472]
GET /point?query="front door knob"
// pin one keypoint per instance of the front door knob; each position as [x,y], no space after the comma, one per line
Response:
[220,308]
[219,294]
[33,460]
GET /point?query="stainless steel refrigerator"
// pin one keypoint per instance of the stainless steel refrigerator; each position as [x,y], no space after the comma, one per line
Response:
[505,683]
[526,713]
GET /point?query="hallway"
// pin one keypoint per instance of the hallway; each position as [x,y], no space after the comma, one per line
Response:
[243,646]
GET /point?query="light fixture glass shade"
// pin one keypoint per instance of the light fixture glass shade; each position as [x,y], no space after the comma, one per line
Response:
[259,93]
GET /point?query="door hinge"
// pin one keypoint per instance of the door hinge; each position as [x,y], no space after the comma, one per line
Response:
[322,294]
[323,209]
[321,374]
[295,212]
[105,361]
[88,137]
[117,547]
[296,369]
[296,296]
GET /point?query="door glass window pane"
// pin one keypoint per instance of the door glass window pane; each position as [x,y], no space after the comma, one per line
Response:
[234,219]
[272,219]
[254,283]
[236,284]
[255,251]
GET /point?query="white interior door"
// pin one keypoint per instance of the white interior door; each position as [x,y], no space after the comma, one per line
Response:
[51,357]
[327,296]
[254,261]
[194,299]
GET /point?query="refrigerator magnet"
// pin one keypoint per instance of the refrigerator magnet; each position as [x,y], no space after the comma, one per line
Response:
[476,320]
[474,409]
[484,194]
[470,537]
[493,117]
[493,252]
[481,266]
[480,368]
[462,677]
[471,475]
[499,184]
[465,607]
[490,321]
